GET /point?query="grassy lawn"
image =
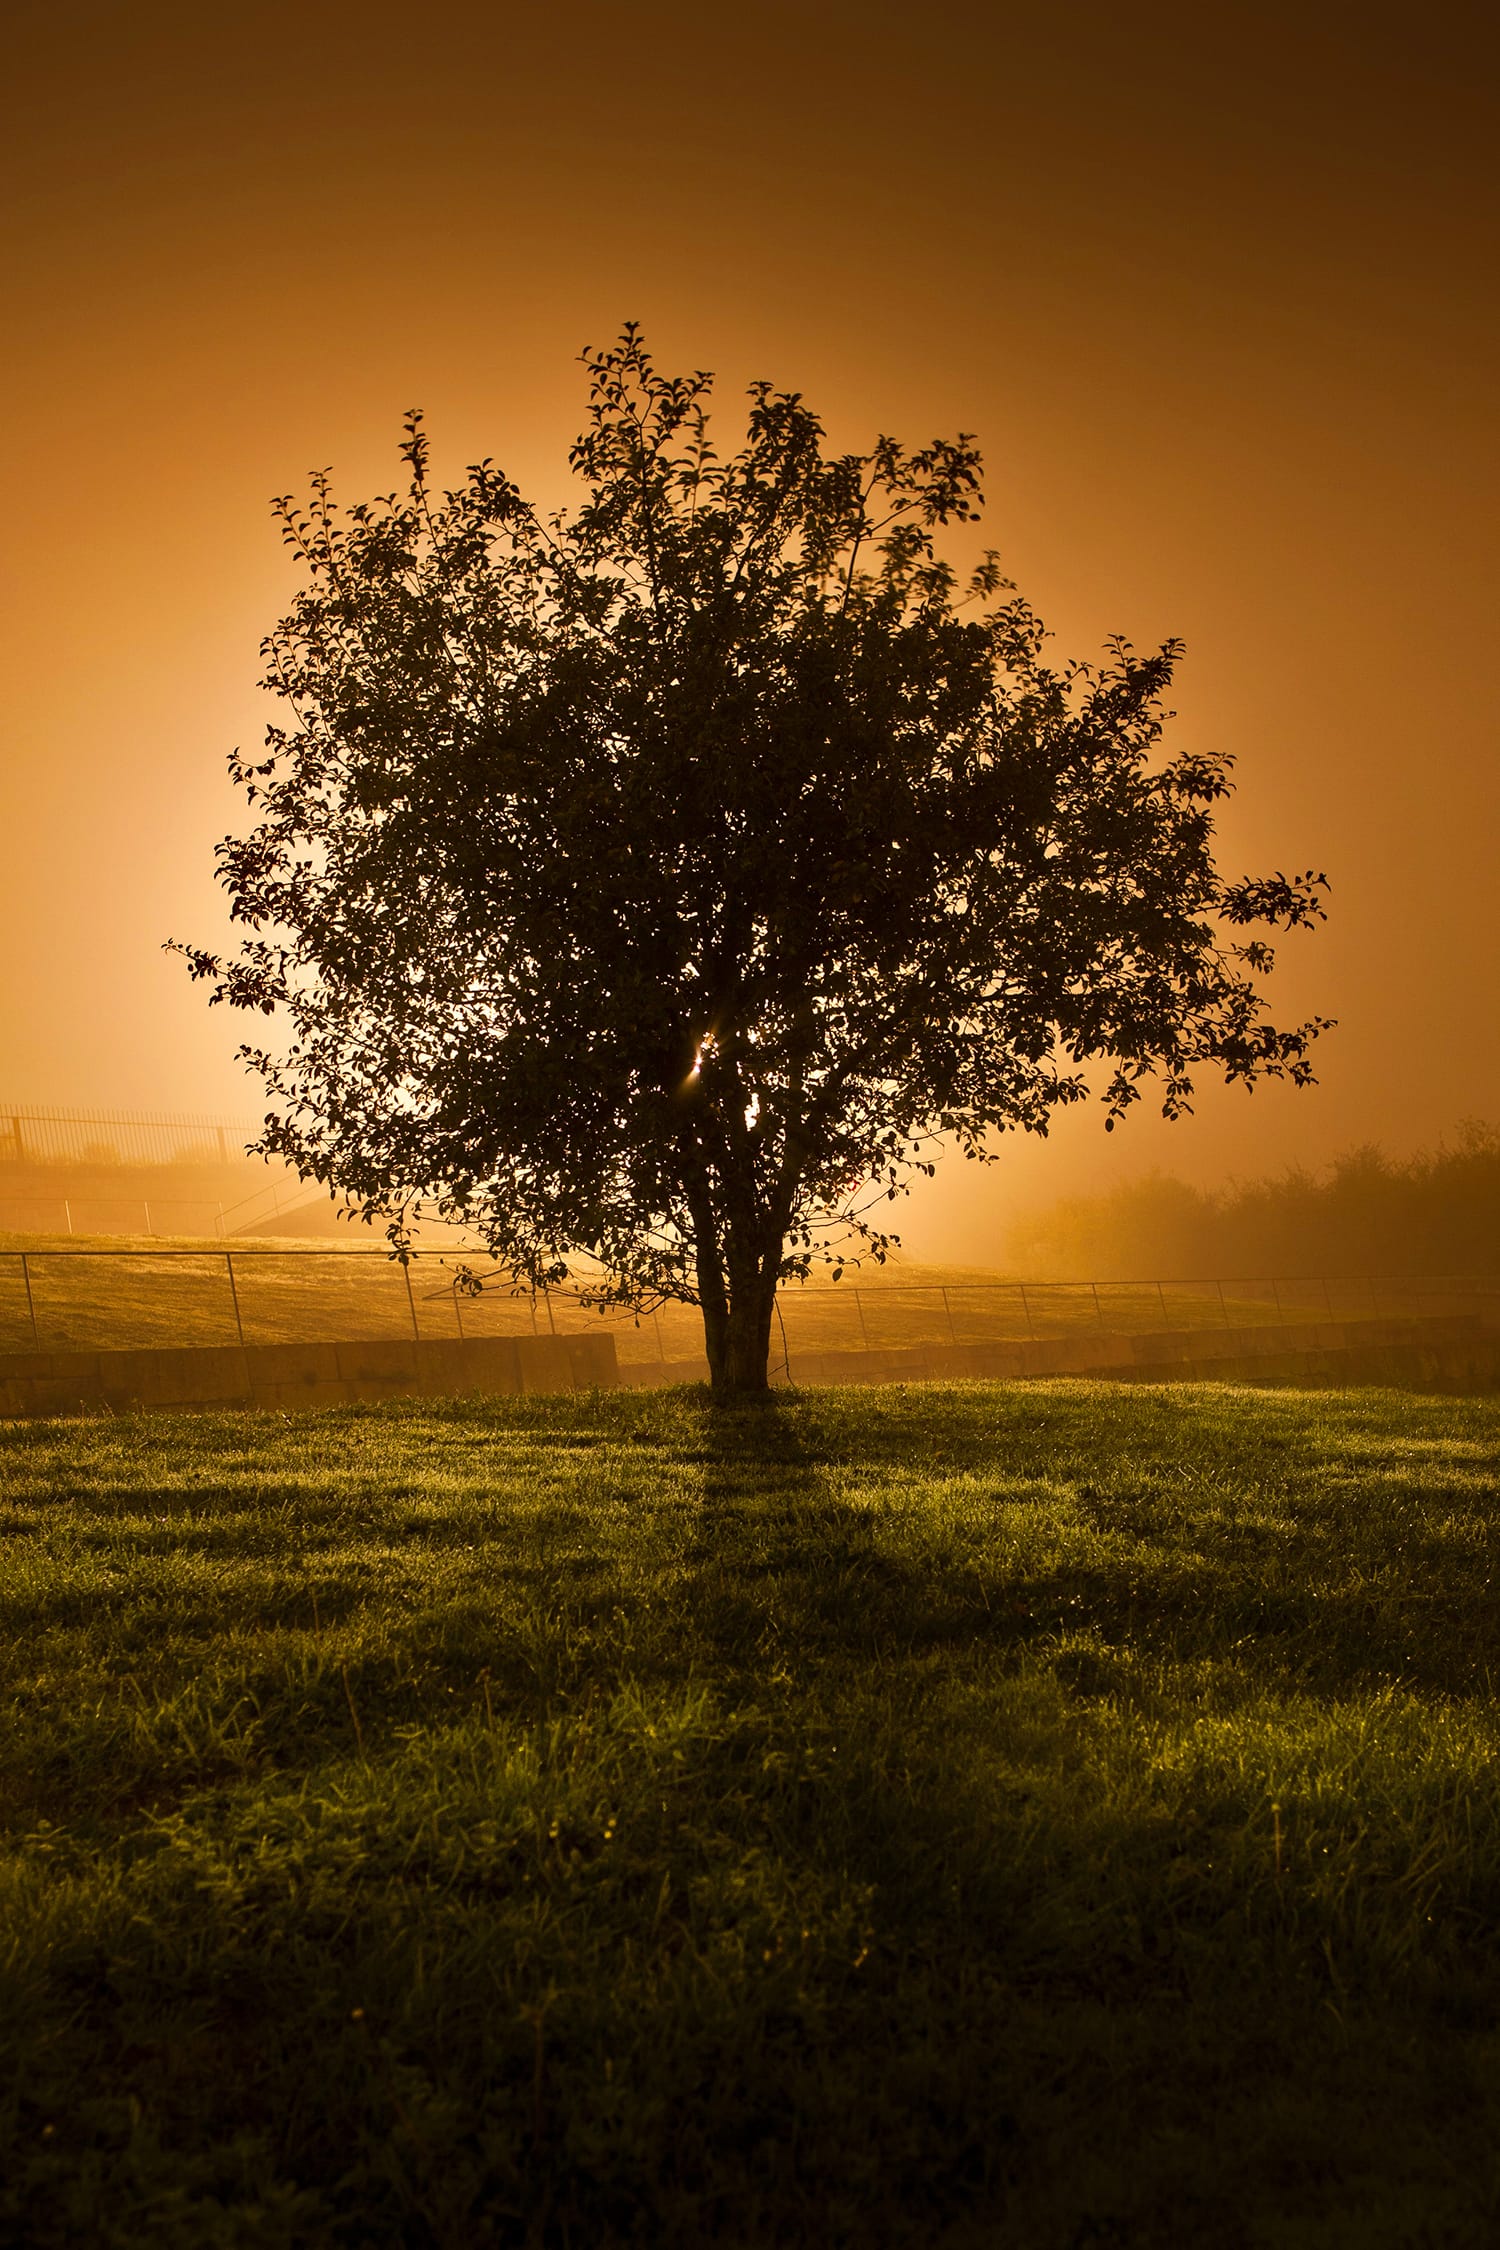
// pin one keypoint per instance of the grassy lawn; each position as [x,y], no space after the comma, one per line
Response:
[1061,1816]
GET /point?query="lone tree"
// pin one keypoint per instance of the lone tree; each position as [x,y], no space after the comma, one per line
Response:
[656,882]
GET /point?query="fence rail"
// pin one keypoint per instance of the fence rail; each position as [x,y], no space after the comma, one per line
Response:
[70,1136]
[138,1214]
[101,1299]
[86,1214]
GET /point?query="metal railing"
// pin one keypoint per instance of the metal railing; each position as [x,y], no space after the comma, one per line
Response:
[61,1134]
[103,1299]
[103,1214]
[277,1197]
[75,1208]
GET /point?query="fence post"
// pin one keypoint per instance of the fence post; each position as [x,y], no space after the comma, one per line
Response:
[1026,1308]
[1162,1296]
[859,1308]
[146,1211]
[1098,1307]
[1223,1307]
[458,1310]
[661,1350]
[30,1305]
[948,1309]
[68,1213]
[410,1299]
[1276,1293]
[234,1294]
[551,1323]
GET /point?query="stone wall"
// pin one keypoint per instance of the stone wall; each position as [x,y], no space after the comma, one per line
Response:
[1452,1352]
[1447,1352]
[288,1376]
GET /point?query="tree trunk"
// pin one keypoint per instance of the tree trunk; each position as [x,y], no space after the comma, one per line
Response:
[748,1346]
[739,1341]
[737,1260]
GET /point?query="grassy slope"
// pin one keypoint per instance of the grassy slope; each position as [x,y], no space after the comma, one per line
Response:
[592,1820]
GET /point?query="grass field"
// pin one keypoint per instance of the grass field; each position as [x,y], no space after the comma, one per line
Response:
[103,1292]
[1058,1816]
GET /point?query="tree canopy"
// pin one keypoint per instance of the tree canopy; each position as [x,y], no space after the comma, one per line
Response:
[660,881]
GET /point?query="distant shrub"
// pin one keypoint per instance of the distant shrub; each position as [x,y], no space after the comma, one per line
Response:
[1437,1212]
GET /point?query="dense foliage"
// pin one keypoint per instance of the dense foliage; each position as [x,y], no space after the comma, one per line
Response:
[662,880]
[1435,1213]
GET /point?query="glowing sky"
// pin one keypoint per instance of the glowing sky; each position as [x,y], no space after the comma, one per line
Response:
[1214,286]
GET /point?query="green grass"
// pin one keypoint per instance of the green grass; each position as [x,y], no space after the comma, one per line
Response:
[1058,1816]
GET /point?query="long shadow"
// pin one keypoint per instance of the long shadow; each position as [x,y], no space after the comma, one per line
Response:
[784,1554]
[989,2009]
[1032,2023]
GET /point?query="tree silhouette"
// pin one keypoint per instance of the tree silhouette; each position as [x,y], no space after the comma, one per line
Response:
[657,881]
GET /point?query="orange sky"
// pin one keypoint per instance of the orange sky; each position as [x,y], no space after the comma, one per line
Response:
[1214,286]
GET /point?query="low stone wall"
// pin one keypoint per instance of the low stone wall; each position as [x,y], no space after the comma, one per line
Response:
[1448,1352]
[288,1376]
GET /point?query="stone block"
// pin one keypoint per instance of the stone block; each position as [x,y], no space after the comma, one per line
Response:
[1325,1335]
[55,1394]
[129,1378]
[496,1364]
[543,1363]
[992,1362]
[300,1397]
[896,1363]
[1172,1345]
[46,1363]
[452,1367]
[656,1374]
[592,1360]
[214,1372]
[185,1375]
[281,1364]
[441,1364]
[818,1367]
[1059,1355]
[1107,1352]
[383,1369]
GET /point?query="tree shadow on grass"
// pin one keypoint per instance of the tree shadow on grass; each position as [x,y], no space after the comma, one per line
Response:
[892,1943]
[1077,2015]
[788,1548]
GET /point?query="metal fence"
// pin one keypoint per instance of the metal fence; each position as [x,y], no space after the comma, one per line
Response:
[113,1214]
[102,1299]
[169,1215]
[60,1135]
